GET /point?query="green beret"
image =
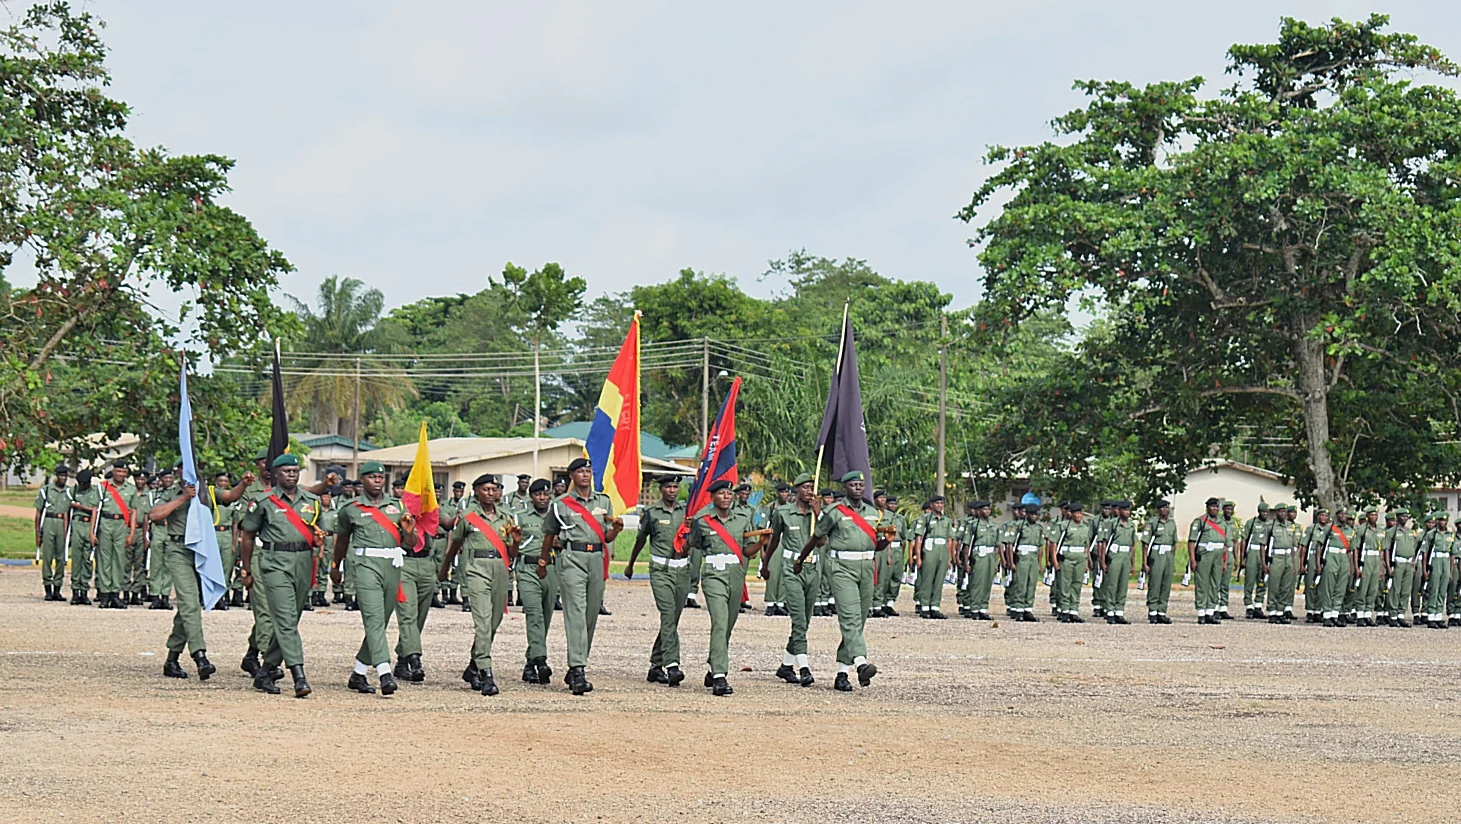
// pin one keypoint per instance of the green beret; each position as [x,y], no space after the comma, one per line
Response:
[1321,511]
[372,468]
[1262,507]
[286,460]
[804,478]
[1370,510]
[854,475]
[1401,511]
[1227,502]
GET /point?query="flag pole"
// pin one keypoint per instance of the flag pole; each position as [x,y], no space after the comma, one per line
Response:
[836,370]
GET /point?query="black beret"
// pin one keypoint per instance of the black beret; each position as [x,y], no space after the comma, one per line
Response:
[971,505]
[1108,503]
[979,504]
[459,485]
[119,464]
[539,485]
[577,464]
[1076,506]
[937,499]
[1033,509]
[667,479]
[719,485]
[1123,504]
[825,491]
[334,490]
[523,476]
[62,469]
[488,478]
[880,493]
[1214,501]
[783,486]
[892,499]
[83,477]
[1163,502]
[744,487]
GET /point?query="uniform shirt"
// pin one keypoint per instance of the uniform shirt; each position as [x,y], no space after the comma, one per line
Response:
[659,523]
[330,520]
[569,526]
[1256,533]
[1074,535]
[129,495]
[794,527]
[1160,532]
[362,530]
[737,522]
[52,501]
[447,512]
[1021,532]
[270,523]
[530,521]
[1439,543]
[514,500]
[1205,530]
[1234,528]
[841,533]
[1285,535]
[934,529]
[1401,541]
[89,497]
[1120,537]
[474,539]
[1330,540]
[982,533]
[1314,536]
[176,523]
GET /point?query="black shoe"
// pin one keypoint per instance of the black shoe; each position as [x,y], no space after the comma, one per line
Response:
[936,615]
[157,603]
[360,684]
[250,664]
[786,673]
[1164,618]
[466,605]
[770,611]
[263,683]
[889,612]
[118,601]
[842,684]
[321,600]
[1310,618]
[1259,614]
[337,598]
[972,614]
[1402,623]
[388,684]
[205,667]
[1248,614]
[1330,622]
[558,604]
[1275,619]
[874,613]
[866,672]
[351,605]
[1286,619]
[237,599]
[1152,619]
[1029,618]
[674,676]
[451,597]
[781,611]
[1098,612]
[530,673]
[75,597]
[577,683]
[402,669]
[691,603]
[436,602]
[309,605]
[603,610]
[301,686]
[417,673]
[221,606]
[721,687]
[745,607]
[171,668]
[657,675]
[709,680]
[489,686]
[1076,619]
[545,672]
[805,679]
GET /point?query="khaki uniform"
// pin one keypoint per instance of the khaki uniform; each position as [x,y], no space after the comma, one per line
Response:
[581,566]
[722,576]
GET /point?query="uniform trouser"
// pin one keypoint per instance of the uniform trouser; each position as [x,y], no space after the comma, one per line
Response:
[824,584]
[1367,588]
[159,577]
[347,576]
[1209,580]
[1334,582]
[1159,581]
[1402,578]
[134,568]
[1280,584]
[695,557]
[801,591]
[80,556]
[1313,598]
[377,583]
[486,591]
[418,579]
[319,573]
[1453,594]
[890,574]
[1437,585]
[53,551]
[775,573]
[1116,580]
[930,589]
[538,595]
[262,634]
[1254,586]
[581,581]
[981,577]
[438,554]
[286,579]
[962,577]
[458,577]
[111,555]
[722,588]
[227,556]
[1417,591]
[1019,596]
[1072,570]
[187,621]
[852,589]
[1225,581]
[669,585]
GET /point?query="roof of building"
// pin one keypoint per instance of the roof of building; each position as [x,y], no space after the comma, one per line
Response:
[448,452]
[650,446]
[314,439]
[1241,467]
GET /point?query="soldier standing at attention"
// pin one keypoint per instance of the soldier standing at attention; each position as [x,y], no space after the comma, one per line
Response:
[113,526]
[772,570]
[880,558]
[931,548]
[84,499]
[1399,546]
[1207,547]
[982,550]
[1309,563]
[1332,574]
[374,528]
[159,580]
[960,560]
[490,539]
[791,527]
[134,580]
[721,535]
[1071,552]
[280,522]
[1160,540]
[584,521]
[851,539]
[52,521]
[669,578]
[890,574]
[1233,527]
[1103,526]
[1372,570]
[1025,537]
[223,530]
[1437,547]
[1278,563]
[537,585]
[1116,548]
[1251,549]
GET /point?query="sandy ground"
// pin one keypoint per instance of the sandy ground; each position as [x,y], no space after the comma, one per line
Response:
[968,722]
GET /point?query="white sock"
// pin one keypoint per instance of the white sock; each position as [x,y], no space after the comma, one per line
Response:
[843,669]
[803,662]
[360,668]
[787,659]
[383,669]
[715,675]
[675,665]
[859,661]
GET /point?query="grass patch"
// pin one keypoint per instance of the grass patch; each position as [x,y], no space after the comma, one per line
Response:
[18,497]
[17,538]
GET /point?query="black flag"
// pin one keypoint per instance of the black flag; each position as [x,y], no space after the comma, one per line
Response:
[279,433]
[843,436]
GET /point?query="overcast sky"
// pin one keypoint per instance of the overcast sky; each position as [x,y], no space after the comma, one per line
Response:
[418,146]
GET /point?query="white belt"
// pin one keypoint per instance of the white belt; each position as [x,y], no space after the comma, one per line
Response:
[1399,560]
[672,563]
[1080,549]
[1372,553]
[1281,551]
[1120,549]
[985,550]
[1026,549]
[721,560]
[896,545]
[940,541]
[1339,550]
[1161,548]
[844,555]
[396,554]
[1211,545]
[792,556]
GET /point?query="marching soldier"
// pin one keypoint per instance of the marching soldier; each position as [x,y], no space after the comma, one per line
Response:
[585,523]
[328,523]
[224,531]
[1070,550]
[159,579]
[851,541]
[931,553]
[724,535]
[1400,544]
[669,578]
[537,584]
[1103,525]
[516,500]
[981,552]
[1208,542]
[451,508]
[375,528]
[1116,550]
[1370,568]
[1160,543]
[490,537]
[792,525]
[85,498]
[890,574]
[1251,552]
[419,584]
[52,521]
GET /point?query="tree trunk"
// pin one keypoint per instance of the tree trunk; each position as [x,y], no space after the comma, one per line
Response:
[1314,391]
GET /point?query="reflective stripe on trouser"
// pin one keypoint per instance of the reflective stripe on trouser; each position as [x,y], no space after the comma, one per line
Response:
[81,557]
[852,588]
[418,579]
[1399,597]
[286,578]
[581,582]
[187,620]
[262,634]
[890,575]
[1281,583]
[159,579]
[111,555]
[376,585]
[487,592]
[1159,581]
[1209,579]
[53,551]
[722,590]
[1072,570]
[134,566]
[669,585]
[1116,580]
[538,595]
[1254,586]
[1334,581]
[775,571]
[981,581]
[1020,594]
[929,592]
[1437,585]
[800,592]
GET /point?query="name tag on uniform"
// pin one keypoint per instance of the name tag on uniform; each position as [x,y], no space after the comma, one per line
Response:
[600,512]
[793,529]
[390,509]
[665,523]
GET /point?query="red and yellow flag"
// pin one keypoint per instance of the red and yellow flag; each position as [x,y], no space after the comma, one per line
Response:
[420,494]
[613,437]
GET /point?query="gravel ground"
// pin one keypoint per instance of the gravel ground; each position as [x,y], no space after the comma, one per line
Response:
[967,721]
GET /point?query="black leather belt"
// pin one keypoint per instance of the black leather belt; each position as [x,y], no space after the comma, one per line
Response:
[292,546]
[531,560]
[222,528]
[54,515]
[425,553]
[586,547]
[85,519]
[486,553]
[112,517]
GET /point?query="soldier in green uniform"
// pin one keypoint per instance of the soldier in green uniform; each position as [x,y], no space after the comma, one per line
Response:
[721,535]
[1333,570]
[1159,545]
[113,526]
[1103,525]
[1370,569]
[489,537]
[1070,548]
[792,525]
[822,607]
[1252,547]
[1208,541]
[772,570]
[1309,562]
[931,539]
[743,505]
[1400,544]
[895,561]
[1053,528]
[159,578]
[537,585]
[83,501]
[320,572]
[53,519]
[520,498]
[418,582]
[1024,539]
[669,578]
[224,530]
[373,528]
[261,635]
[450,509]
[1116,547]
[959,559]
[1231,559]
[847,530]
[585,524]
[134,571]
[280,523]
[981,548]
[1277,556]
[1437,549]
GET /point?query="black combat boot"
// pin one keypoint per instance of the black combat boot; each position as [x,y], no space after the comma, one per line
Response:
[171,668]
[387,684]
[301,686]
[805,679]
[865,673]
[786,673]
[721,687]
[205,667]
[489,685]
[417,673]
[360,684]
[657,675]
[673,677]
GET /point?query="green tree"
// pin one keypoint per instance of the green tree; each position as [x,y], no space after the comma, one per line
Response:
[543,299]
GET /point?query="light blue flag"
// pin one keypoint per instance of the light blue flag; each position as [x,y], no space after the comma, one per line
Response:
[200,536]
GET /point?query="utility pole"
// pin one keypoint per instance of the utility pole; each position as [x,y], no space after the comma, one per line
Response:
[704,391]
[355,426]
[943,396]
[537,403]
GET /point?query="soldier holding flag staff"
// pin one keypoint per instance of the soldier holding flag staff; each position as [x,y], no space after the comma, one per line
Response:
[490,538]
[585,524]
[847,531]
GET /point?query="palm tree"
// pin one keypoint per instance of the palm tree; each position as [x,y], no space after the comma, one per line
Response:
[345,323]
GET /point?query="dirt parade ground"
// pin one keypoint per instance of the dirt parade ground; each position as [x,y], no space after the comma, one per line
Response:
[968,721]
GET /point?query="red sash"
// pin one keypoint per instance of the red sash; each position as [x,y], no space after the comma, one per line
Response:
[1215,528]
[492,537]
[1340,536]
[719,528]
[593,523]
[299,524]
[380,518]
[860,521]
[117,499]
